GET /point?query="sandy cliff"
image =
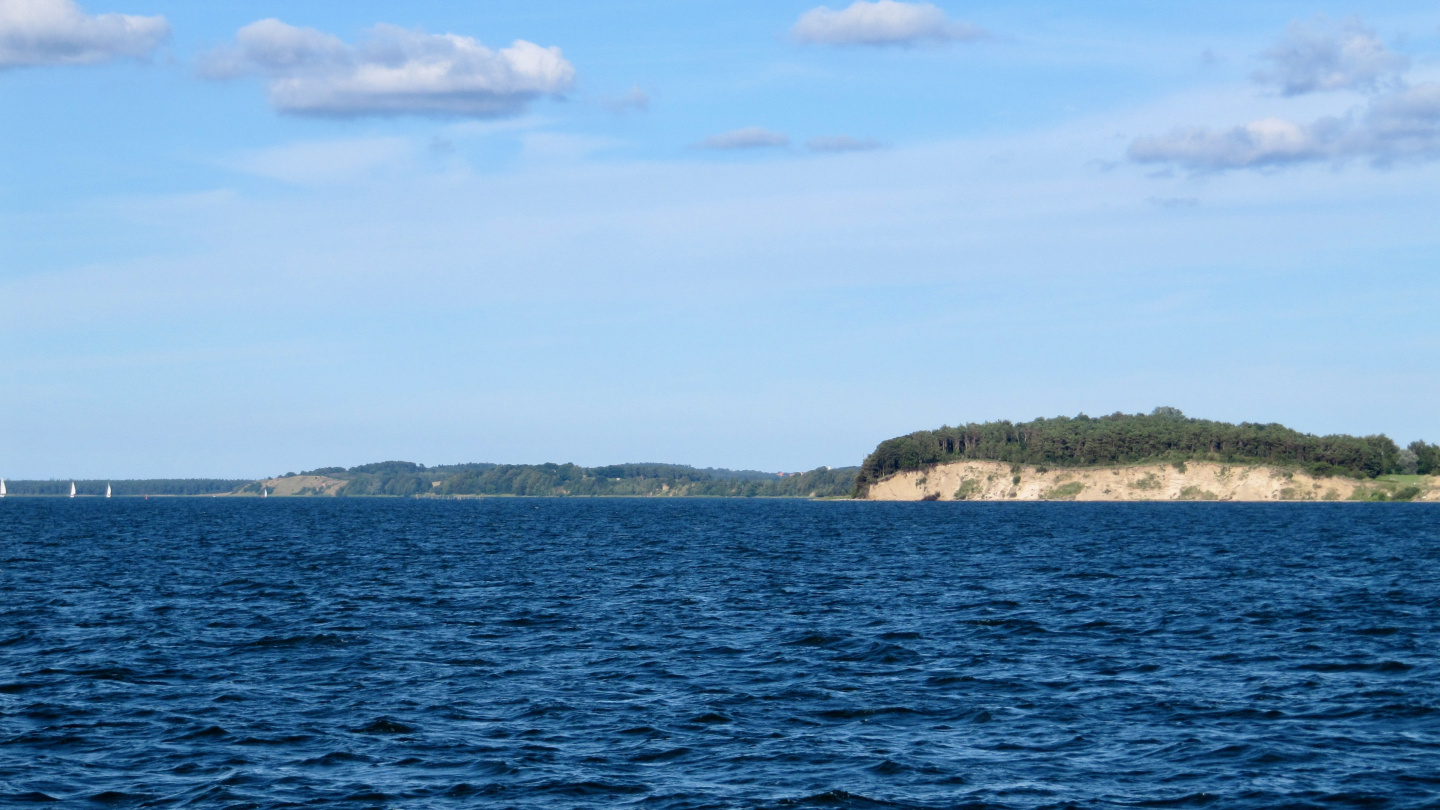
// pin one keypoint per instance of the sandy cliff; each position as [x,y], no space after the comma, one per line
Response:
[303,485]
[1207,481]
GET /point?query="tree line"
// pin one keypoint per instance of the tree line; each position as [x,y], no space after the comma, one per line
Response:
[406,479]
[1165,434]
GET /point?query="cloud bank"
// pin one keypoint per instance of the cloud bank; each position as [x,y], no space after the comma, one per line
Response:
[747,138]
[394,71]
[58,32]
[885,22]
[1397,124]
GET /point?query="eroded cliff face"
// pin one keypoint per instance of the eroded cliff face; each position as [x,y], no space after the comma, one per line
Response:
[1197,481]
[303,485]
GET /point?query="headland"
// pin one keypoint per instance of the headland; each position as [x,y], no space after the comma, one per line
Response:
[1160,456]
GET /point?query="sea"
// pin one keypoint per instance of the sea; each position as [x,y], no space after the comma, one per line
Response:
[676,653]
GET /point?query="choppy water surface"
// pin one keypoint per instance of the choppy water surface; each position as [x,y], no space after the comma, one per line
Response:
[677,654]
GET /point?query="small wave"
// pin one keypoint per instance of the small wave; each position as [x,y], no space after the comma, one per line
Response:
[17,688]
[1017,626]
[119,797]
[879,652]
[385,725]
[209,733]
[838,798]
[817,640]
[336,758]
[289,739]
[464,789]
[592,788]
[545,710]
[860,714]
[660,756]
[315,640]
[121,674]
[1180,801]
[1383,667]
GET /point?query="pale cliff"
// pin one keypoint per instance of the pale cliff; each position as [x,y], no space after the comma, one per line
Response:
[1195,480]
[298,485]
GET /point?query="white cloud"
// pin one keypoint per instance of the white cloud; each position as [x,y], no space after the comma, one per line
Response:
[1320,56]
[395,71]
[58,32]
[841,143]
[1398,127]
[885,22]
[1268,142]
[747,138]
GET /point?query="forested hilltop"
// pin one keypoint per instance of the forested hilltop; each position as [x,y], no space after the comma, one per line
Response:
[1165,434]
[405,479]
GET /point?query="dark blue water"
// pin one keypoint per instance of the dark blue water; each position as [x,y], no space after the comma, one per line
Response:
[686,654]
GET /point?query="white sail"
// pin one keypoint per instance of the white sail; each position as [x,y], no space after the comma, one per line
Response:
[2,487]
[263,493]
[72,489]
[107,490]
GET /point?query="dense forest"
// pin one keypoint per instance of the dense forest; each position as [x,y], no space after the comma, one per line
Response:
[404,479]
[1166,434]
[128,489]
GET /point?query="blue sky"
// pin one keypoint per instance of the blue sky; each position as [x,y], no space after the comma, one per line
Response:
[745,234]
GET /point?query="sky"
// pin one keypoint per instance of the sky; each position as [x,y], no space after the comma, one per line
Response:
[241,238]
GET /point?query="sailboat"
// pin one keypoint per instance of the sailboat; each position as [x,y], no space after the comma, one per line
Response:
[107,490]
[2,487]
[72,489]
[263,493]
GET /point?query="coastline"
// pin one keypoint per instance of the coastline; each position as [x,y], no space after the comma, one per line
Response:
[1190,481]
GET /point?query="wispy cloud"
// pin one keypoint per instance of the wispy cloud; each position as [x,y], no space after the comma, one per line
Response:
[1174,202]
[394,71]
[58,32]
[321,162]
[636,100]
[746,138]
[1322,56]
[841,143]
[885,22]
